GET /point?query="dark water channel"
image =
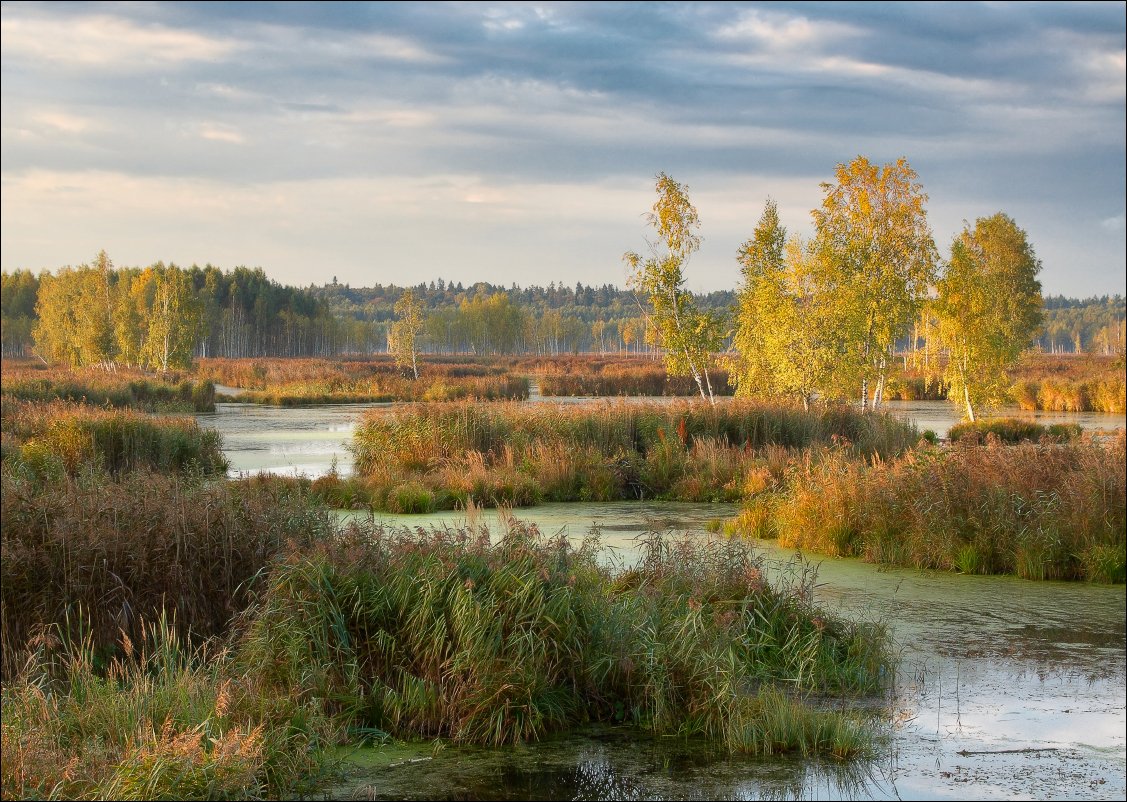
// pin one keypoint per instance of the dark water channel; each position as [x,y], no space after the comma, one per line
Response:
[1007,689]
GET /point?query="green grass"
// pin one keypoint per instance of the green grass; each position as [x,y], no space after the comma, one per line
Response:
[164,721]
[442,634]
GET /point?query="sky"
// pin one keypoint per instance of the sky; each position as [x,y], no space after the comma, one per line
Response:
[518,143]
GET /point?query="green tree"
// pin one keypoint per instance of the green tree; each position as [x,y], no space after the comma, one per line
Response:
[988,309]
[879,260]
[689,336]
[403,336]
[18,293]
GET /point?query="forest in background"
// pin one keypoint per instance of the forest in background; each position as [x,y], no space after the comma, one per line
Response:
[243,313]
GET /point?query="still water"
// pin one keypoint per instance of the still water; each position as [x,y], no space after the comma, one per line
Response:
[1007,689]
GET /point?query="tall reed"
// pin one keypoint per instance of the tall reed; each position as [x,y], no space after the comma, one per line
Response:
[615,378]
[105,555]
[123,388]
[444,634]
[521,454]
[57,438]
[162,720]
[1037,510]
[1012,430]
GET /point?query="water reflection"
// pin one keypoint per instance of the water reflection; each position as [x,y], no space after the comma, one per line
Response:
[618,764]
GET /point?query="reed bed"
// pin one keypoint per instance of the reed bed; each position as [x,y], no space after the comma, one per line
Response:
[163,720]
[1039,382]
[267,373]
[1036,510]
[100,556]
[60,438]
[430,456]
[443,634]
[390,387]
[122,388]
[369,632]
[1107,394]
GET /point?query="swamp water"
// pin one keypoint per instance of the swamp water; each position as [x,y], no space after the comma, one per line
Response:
[1007,688]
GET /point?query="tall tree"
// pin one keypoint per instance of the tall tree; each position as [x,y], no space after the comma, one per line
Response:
[173,320]
[403,336]
[873,237]
[75,309]
[689,336]
[988,309]
[785,341]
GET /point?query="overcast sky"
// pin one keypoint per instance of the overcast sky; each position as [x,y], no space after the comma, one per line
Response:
[398,143]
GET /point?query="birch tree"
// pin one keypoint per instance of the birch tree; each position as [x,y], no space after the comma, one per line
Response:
[689,336]
[988,310]
[874,239]
[403,336]
[786,341]
[75,309]
[173,320]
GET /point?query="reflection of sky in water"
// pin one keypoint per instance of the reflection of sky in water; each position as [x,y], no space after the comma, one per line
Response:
[286,440]
[939,416]
[308,439]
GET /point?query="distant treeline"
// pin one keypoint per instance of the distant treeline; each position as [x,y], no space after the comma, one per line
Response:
[162,315]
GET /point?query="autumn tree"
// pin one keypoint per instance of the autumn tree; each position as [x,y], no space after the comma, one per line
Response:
[403,336]
[689,336]
[786,341]
[873,238]
[988,310]
[75,309]
[173,320]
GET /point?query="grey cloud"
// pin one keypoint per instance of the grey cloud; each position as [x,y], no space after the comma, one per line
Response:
[987,101]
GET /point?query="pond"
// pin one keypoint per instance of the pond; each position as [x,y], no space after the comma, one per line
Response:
[1006,688]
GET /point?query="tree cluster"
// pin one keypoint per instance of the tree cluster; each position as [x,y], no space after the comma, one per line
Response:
[823,318]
